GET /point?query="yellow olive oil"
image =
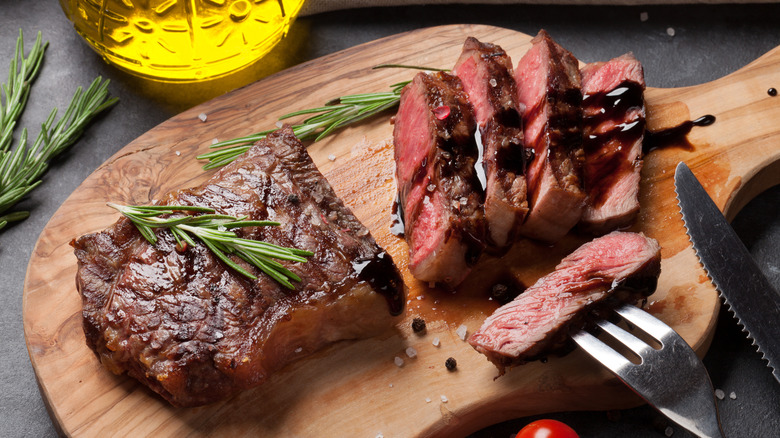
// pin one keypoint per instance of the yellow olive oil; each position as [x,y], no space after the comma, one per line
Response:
[181,40]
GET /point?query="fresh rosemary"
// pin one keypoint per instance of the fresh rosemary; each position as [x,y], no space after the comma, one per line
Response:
[214,230]
[335,114]
[21,167]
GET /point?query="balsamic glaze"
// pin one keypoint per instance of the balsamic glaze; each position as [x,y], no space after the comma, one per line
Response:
[607,163]
[676,136]
[383,276]
[772,92]
[397,217]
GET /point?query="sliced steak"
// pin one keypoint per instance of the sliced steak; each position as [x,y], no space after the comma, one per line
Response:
[614,127]
[619,267]
[486,72]
[192,329]
[548,90]
[439,192]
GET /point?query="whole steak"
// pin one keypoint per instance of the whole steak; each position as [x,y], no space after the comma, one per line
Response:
[195,331]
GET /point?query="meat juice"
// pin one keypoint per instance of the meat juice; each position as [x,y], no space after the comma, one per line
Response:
[181,40]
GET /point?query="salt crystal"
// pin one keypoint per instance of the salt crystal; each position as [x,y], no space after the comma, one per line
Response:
[391,385]
[178,154]
[332,157]
[493,82]
[430,187]
[720,394]
[668,431]
[202,117]
[379,435]
[444,399]
[398,361]
[436,342]
[733,395]
[461,332]
[427,399]
[670,31]
[215,141]
[299,349]
[463,200]
[411,352]
[221,228]
[643,16]
[279,124]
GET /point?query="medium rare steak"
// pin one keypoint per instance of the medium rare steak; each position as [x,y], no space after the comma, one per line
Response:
[618,267]
[195,331]
[614,126]
[548,90]
[439,192]
[486,72]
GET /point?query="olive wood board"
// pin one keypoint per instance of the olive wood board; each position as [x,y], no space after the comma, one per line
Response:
[354,388]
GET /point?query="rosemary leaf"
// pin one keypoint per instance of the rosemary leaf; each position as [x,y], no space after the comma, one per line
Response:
[214,230]
[22,166]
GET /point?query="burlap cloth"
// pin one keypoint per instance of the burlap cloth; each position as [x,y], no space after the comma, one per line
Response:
[317,6]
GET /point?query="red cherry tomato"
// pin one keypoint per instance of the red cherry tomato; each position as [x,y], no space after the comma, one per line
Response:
[547,429]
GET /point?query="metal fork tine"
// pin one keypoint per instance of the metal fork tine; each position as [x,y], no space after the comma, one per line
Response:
[605,354]
[635,344]
[672,379]
[644,321]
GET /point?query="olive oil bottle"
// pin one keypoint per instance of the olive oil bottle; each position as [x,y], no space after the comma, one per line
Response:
[181,40]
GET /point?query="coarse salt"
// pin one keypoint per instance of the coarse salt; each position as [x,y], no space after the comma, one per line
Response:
[720,394]
[427,399]
[461,332]
[493,82]
[391,385]
[436,342]
[411,352]
[215,141]
[279,124]
[670,31]
[299,349]
[202,117]
[444,399]
[733,395]
[668,431]
[644,16]
[398,361]
[332,157]
[178,154]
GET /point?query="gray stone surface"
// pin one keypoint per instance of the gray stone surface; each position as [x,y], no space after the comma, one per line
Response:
[708,42]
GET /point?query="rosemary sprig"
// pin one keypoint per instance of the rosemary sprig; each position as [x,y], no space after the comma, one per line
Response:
[22,167]
[214,230]
[335,114]
[16,90]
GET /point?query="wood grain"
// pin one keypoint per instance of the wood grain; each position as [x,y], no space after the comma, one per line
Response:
[354,388]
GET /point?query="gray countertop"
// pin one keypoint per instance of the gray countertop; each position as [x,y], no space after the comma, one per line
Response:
[708,42]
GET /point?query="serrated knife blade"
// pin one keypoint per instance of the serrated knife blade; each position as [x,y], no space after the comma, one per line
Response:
[739,281]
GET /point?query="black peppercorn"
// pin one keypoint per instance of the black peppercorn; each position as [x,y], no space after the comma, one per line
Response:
[772,92]
[418,325]
[451,364]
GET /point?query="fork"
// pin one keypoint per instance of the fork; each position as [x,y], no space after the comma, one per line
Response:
[672,379]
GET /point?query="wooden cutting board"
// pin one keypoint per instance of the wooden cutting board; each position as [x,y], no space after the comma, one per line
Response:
[354,388]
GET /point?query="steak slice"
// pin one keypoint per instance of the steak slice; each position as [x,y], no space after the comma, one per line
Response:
[548,90]
[614,126]
[439,192]
[619,267]
[195,331]
[486,72]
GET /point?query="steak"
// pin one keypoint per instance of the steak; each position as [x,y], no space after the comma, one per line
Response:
[194,330]
[486,72]
[548,90]
[614,126]
[439,192]
[616,268]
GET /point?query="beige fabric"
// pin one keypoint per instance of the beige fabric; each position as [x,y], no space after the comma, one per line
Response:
[317,6]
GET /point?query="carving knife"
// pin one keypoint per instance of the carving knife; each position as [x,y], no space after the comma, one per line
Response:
[744,288]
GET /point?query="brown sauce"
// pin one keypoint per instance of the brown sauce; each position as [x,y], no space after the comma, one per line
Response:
[382,275]
[676,136]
